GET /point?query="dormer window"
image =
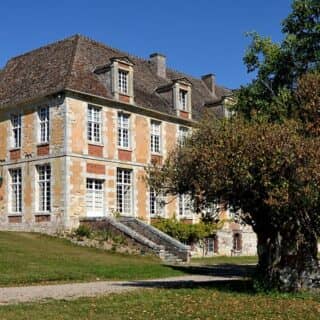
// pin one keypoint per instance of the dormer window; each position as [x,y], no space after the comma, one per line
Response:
[122,79]
[123,76]
[183,99]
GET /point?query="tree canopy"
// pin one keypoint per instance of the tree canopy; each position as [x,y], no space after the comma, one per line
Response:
[279,66]
[265,160]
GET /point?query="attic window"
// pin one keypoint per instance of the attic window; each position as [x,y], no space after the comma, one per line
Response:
[183,99]
[123,76]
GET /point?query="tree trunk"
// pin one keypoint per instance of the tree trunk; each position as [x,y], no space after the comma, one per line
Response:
[288,259]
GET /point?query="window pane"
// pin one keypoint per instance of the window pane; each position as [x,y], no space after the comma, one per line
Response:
[44,187]
[16,190]
[94,125]
[124,191]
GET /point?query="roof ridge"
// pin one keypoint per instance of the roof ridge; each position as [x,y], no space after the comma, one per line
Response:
[72,60]
[42,47]
[100,43]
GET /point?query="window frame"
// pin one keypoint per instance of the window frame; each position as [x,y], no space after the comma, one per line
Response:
[183,99]
[185,206]
[14,186]
[124,191]
[156,137]
[123,81]
[95,182]
[124,131]
[183,133]
[16,131]
[94,124]
[43,124]
[156,204]
[44,188]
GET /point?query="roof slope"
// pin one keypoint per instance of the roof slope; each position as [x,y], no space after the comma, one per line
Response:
[69,64]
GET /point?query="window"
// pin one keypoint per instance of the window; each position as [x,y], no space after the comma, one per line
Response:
[94,124]
[123,81]
[44,188]
[123,130]
[43,130]
[16,190]
[157,204]
[16,131]
[185,205]
[155,137]
[183,134]
[94,198]
[183,99]
[237,242]
[124,191]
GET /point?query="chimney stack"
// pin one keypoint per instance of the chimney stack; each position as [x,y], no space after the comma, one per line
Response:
[210,81]
[159,61]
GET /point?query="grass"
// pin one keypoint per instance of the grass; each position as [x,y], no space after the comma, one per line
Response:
[222,301]
[31,258]
[226,260]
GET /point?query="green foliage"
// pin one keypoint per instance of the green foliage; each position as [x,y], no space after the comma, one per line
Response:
[186,232]
[270,172]
[279,66]
[83,231]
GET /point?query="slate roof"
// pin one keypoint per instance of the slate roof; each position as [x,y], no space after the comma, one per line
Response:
[69,64]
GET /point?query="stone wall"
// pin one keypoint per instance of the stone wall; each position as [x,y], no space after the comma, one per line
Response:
[28,157]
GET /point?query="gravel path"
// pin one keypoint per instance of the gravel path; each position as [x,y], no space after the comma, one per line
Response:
[14,295]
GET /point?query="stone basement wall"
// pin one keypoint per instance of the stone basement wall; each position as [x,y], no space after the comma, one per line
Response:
[134,241]
[225,243]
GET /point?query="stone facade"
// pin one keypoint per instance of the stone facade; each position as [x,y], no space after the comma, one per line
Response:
[75,161]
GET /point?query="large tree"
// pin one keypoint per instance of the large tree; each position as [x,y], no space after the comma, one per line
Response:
[270,172]
[265,161]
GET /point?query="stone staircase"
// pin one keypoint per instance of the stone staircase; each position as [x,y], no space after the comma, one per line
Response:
[144,236]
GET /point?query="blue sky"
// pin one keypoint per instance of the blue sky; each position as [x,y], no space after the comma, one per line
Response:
[197,36]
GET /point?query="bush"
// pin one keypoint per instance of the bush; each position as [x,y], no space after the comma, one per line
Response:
[186,232]
[83,231]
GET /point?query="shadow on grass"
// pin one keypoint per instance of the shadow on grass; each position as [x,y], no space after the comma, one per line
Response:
[221,270]
[239,286]
[230,278]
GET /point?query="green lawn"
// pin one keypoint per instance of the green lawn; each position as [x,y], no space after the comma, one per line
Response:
[174,304]
[29,258]
[226,260]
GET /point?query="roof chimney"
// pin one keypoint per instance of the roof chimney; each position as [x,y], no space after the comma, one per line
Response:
[210,81]
[159,61]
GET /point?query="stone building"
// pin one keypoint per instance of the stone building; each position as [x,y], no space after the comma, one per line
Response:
[79,121]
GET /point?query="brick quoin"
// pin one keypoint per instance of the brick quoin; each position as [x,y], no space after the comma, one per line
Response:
[124,155]
[96,168]
[184,114]
[15,154]
[124,98]
[43,150]
[94,150]
[42,218]
[15,219]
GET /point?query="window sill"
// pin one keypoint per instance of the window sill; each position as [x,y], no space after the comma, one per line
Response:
[158,154]
[15,214]
[125,149]
[45,213]
[99,144]
[42,144]
[15,149]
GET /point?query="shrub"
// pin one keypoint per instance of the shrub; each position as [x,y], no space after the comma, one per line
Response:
[83,231]
[186,232]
